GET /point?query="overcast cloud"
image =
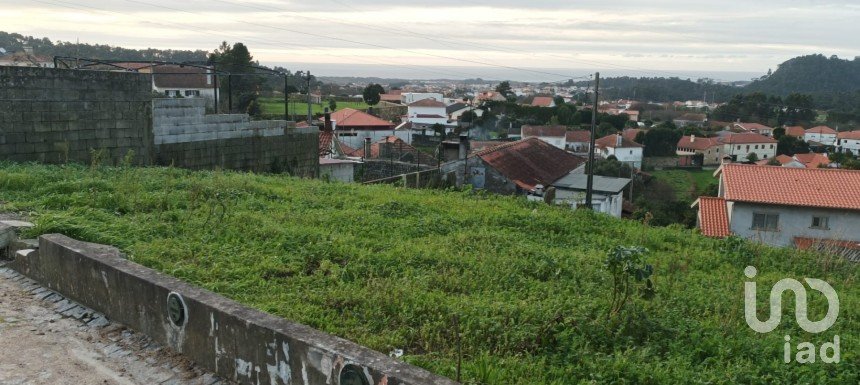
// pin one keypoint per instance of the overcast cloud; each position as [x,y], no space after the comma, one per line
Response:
[567,38]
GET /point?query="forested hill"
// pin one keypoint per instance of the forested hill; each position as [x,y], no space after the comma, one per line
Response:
[664,89]
[812,74]
[13,42]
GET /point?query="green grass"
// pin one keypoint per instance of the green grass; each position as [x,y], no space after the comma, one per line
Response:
[688,184]
[273,106]
[392,268]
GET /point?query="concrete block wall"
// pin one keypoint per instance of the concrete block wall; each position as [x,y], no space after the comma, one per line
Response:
[57,115]
[232,340]
[185,120]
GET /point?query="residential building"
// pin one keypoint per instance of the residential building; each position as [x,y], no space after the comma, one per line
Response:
[490,96]
[394,149]
[795,131]
[26,58]
[543,101]
[783,206]
[821,134]
[427,112]
[607,196]
[631,133]
[754,128]
[577,141]
[554,135]
[709,148]
[340,170]
[740,146]
[514,168]
[848,141]
[183,81]
[352,126]
[810,160]
[626,151]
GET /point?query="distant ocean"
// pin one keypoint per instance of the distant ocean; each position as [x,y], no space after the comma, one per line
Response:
[495,73]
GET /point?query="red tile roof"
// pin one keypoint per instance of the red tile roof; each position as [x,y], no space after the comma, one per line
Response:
[611,141]
[630,133]
[713,217]
[429,102]
[821,130]
[753,127]
[812,160]
[848,249]
[542,101]
[393,98]
[698,143]
[578,136]
[807,187]
[746,138]
[349,118]
[555,131]
[325,147]
[853,135]
[796,131]
[530,162]
[169,76]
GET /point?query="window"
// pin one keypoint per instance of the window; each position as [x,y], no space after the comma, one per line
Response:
[192,93]
[631,152]
[765,156]
[765,222]
[820,223]
[771,147]
[739,147]
[756,147]
[748,147]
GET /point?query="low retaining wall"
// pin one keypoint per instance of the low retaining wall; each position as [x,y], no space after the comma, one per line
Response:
[234,341]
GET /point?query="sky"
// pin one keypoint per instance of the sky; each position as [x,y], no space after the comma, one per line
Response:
[521,40]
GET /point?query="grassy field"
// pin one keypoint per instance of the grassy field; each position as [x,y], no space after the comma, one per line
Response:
[393,269]
[687,184]
[276,106]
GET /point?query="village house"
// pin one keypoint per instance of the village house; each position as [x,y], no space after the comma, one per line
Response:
[577,141]
[26,58]
[795,131]
[783,206]
[513,168]
[352,127]
[810,160]
[737,146]
[490,96]
[554,135]
[625,150]
[427,112]
[753,128]
[709,148]
[187,82]
[408,98]
[543,101]
[607,195]
[820,134]
[393,149]
[848,141]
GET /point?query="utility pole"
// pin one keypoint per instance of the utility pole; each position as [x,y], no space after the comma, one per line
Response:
[589,189]
[310,114]
[286,97]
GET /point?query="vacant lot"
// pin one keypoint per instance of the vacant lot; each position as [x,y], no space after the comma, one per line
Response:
[276,106]
[521,286]
[688,184]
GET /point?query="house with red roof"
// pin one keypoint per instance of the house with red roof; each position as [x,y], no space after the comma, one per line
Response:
[623,149]
[543,101]
[795,131]
[848,141]
[577,141]
[820,134]
[352,126]
[783,206]
[754,128]
[554,135]
[514,168]
[810,160]
[427,112]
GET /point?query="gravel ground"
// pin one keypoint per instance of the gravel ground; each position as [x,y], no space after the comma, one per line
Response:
[46,339]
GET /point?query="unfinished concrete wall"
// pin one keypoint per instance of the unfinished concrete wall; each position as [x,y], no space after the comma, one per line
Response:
[185,120]
[232,340]
[58,115]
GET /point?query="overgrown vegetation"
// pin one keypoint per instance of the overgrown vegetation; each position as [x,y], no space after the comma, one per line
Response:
[525,284]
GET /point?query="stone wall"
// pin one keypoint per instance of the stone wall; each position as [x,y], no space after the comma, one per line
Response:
[232,340]
[57,115]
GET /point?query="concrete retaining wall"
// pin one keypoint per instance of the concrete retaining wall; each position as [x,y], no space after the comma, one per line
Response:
[57,116]
[232,340]
[185,120]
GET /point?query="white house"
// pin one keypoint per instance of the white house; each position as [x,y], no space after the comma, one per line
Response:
[608,195]
[625,150]
[554,135]
[187,82]
[427,112]
[848,141]
[739,146]
[783,206]
[821,134]
[577,141]
[754,128]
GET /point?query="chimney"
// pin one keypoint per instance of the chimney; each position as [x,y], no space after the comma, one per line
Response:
[618,138]
[464,146]
[366,148]
[328,126]
[692,138]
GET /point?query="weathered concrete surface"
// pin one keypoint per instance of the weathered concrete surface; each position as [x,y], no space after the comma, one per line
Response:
[236,342]
[45,339]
